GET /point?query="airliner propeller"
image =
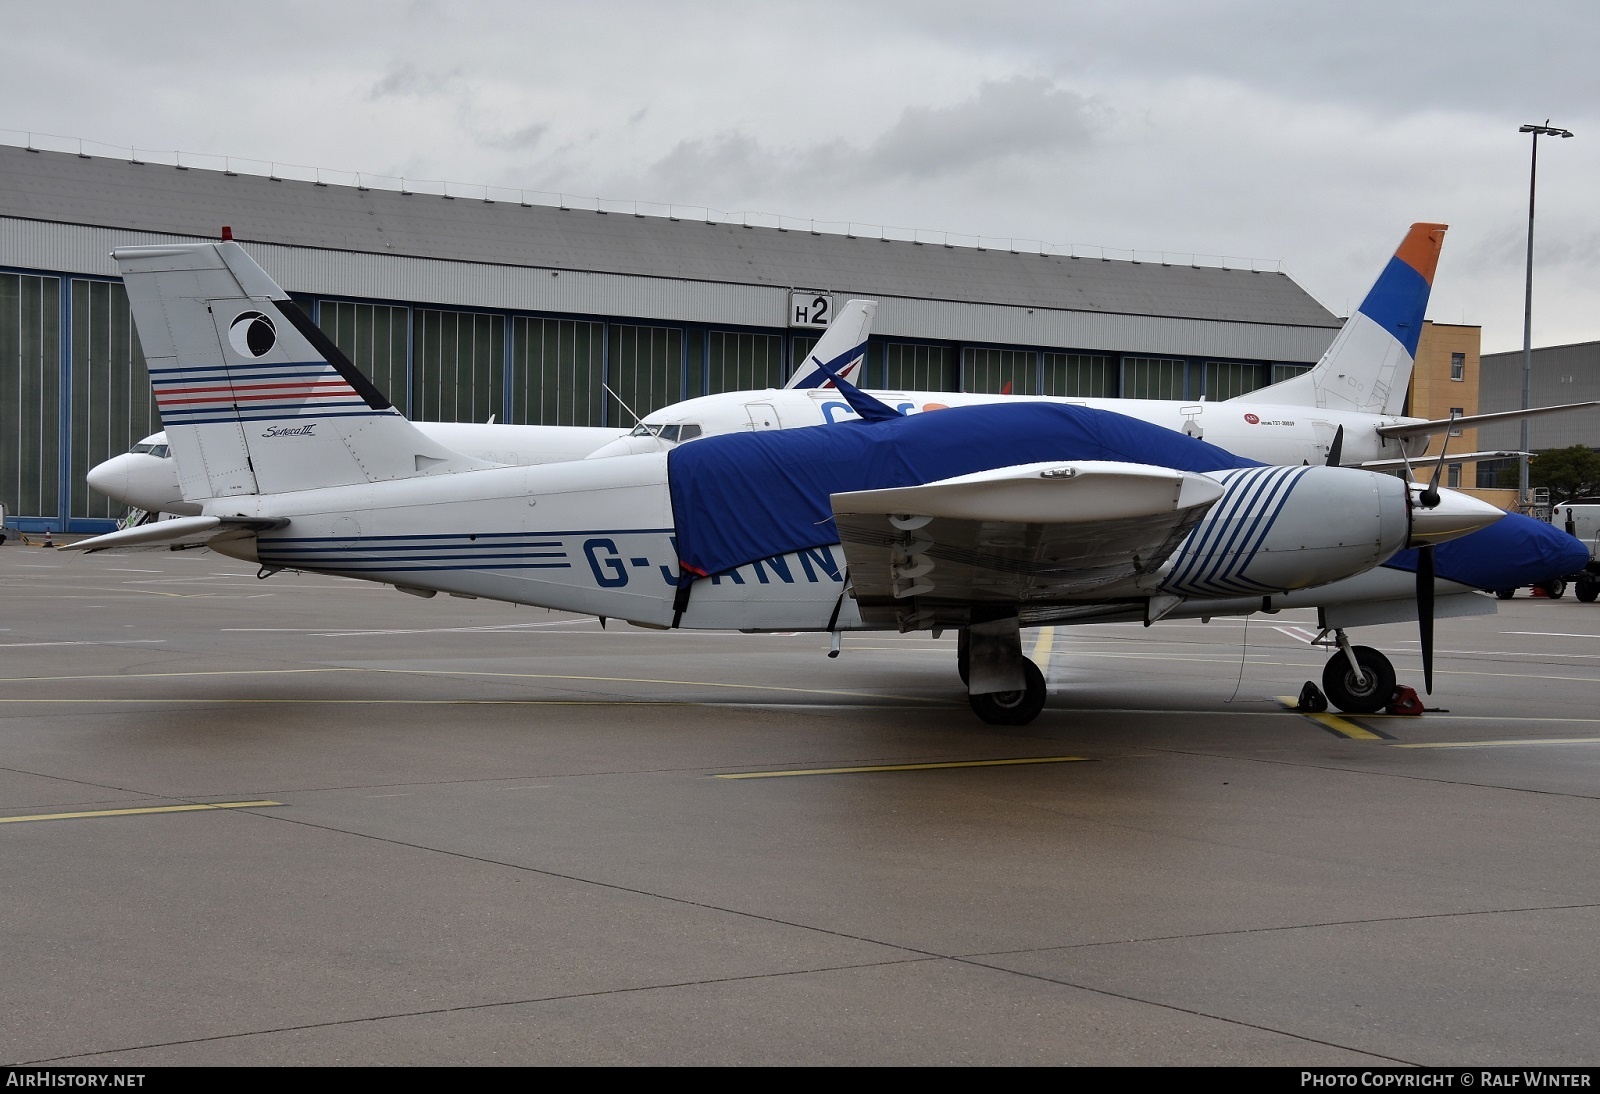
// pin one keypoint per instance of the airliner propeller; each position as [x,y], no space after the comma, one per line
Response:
[1428,498]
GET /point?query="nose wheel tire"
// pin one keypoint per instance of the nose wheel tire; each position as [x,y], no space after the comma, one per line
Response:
[1014,708]
[1371,694]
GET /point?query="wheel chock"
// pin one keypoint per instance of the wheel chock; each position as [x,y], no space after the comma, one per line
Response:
[1312,701]
[1405,701]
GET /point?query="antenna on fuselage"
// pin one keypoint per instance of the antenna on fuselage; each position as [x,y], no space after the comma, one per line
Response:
[636,419]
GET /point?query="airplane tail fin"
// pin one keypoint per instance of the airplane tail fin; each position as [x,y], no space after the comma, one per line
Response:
[1368,367]
[254,398]
[842,347]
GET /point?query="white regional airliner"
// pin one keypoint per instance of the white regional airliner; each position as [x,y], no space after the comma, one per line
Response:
[1344,410]
[983,518]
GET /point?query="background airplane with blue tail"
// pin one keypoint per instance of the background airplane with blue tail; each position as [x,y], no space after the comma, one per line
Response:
[985,519]
[1346,409]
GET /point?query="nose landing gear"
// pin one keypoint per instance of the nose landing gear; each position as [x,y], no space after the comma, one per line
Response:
[1357,679]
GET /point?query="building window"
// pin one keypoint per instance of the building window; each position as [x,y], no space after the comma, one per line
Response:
[1456,412]
[645,372]
[910,367]
[1497,474]
[1226,379]
[744,362]
[1080,376]
[111,402]
[1458,366]
[1453,477]
[1282,372]
[458,367]
[30,393]
[1155,378]
[556,369]
[1000,371]
[374,337]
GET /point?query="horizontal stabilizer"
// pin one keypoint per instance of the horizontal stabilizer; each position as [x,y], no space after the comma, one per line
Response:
[1420,429]
[179,532]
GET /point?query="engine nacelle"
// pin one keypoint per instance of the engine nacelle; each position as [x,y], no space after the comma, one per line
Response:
[1282,528]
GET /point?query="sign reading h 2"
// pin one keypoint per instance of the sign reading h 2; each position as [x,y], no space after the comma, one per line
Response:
[807,309]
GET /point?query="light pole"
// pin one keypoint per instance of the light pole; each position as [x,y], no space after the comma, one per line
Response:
[1536,132]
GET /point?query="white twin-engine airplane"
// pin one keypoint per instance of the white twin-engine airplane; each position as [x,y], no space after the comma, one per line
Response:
[982,518]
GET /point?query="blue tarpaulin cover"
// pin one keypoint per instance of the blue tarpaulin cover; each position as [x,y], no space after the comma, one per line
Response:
[1512,552]
[741,497]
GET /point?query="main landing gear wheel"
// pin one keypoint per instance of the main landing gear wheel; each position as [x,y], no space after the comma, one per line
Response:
[1018,708]
[963,654]
[1367,697]
[1504,594]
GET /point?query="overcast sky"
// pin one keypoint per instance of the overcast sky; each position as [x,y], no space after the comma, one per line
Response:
[1311,133]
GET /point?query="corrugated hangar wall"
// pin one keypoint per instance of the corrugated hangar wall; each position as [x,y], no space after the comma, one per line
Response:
[460,309]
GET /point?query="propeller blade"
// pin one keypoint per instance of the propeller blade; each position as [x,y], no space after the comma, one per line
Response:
[1425,613]
[1336,449]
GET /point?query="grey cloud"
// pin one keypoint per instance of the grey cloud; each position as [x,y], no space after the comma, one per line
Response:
[1019,117]
[517,141]
[409,80]
[1022,117]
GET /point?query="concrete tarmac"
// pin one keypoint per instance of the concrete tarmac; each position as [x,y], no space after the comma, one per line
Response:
[461,832]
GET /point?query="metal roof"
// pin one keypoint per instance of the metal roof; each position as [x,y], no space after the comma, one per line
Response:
[102,192]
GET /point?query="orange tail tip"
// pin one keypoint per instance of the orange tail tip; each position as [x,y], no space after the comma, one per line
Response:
[1420,250]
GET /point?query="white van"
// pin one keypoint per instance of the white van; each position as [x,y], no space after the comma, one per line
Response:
[1581,518]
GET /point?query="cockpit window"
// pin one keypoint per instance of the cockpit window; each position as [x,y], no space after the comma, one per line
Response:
[141,448]
[674,433]
[160,450]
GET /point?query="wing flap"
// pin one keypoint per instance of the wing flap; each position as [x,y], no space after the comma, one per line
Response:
[1035,533]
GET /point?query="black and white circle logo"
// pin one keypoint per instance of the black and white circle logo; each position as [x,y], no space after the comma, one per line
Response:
[252,334]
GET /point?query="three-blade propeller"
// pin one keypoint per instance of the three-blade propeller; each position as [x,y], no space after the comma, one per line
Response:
[1428,498]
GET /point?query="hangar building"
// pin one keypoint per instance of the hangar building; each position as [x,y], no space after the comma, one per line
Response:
[1560,374]
[461,307]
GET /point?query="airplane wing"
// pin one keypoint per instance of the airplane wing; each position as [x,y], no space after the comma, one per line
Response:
[178,533]
[1029,534]
[1419,429]
[1429,461]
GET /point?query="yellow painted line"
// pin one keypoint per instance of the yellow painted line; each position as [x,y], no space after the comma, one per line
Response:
[135,812]
[1341,726]
[1303,664]
[1041,648]
[1508,744]
[905,767]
